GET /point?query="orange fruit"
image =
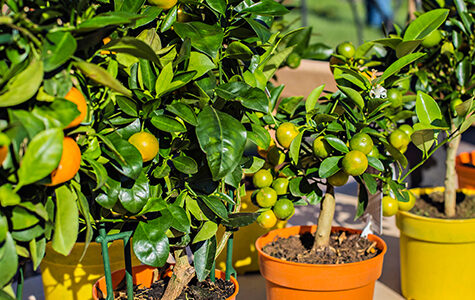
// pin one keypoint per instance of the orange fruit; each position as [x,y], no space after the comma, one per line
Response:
[3,154]
[389,205]
[267,219]
[76,97]
[146,143]
[275,156]
[164,4]
[354,163]
[286,133]
[338,179]
[69,163]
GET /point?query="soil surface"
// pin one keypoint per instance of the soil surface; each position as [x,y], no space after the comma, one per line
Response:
[344,248]
[205,290]
[432,206]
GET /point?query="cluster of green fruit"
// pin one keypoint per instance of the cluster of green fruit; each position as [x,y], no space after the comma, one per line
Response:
[270,197]
[391,206]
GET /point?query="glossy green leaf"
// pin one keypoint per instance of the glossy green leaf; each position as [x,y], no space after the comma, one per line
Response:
[218,6]
[126,158]
[259,136]
[370,183]
[179,219]
[170,19]
[353,95]
[312,98]
[59,46]
[28,234]
[66,222]
[23,85]
[375,163]
[205,38]
[463,72]
[150,243]
[184,111]
[131,6]
[396,66]
[41,156]
[329,166]
[336,143]
[216,205]
[8,260]
[204,255]
[237,220]
[200,63]
[266,8]
[134,195]
[146,76]
[107,19]
[261,30]
[103,77]
[427,109]
[395,153]
[128,106]
[109,198]
[207,230]
[222,138]
[294,149]
[164,80]
[253,98]
[423,138]
[8,197]
[22,218]
[167,124]
[185,164]
[467,123]
[3,228]
[406,47]
[425,24]
[37,251]
[238,50]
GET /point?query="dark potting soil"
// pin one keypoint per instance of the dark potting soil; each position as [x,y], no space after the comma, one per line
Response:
[344,248]
[432,205]
[205,290]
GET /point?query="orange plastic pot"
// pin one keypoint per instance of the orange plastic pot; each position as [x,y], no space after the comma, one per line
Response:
[466,174]
[290,280]
[143,275]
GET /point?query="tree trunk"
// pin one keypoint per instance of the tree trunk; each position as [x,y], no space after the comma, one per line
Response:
[182,274]
[322,237]
[451,176]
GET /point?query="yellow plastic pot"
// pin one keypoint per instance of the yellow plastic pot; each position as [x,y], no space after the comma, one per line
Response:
[64,277]
[244,249]
[437,255]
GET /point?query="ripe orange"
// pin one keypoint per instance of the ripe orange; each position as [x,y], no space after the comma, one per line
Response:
[68,164]
[286,133]
[338,179]
[262,178]
[355,163]
[75,96]
[146,143]
[267,219]
[361,142]
[164,4]
[389,205]
[3,154]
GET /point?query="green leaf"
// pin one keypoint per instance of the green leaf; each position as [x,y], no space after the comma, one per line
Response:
[257,164]
[41,157]
[179,219]
[336,143]
[216,205]
[204,253]
[128,106]
[218,6]
[131,6]
[427,109]
[37,251]
[167,124]
[237,220]
[8,260]
[222,138]
[425,24]
[370,183]
[8,197]
[294,149]
[170,19]
[134,194]
[238,50]
[312,98]
[184,111]
[396,66]
[259,136]
[406,47]
[463,72]
[146,77]
[193,207]
[200,63]
[266,8]
[262,31]
[329,166]
[207,230]
[395,153]
[150,243]
[107,19]
[375,163]
[467,123]
[185,164]
[23,85]
[59,46]
[22,218]
[164,80]
[250,97]
[353,95]
[125,157]
[66,222]
[423,138]
[103,77]
[205,38]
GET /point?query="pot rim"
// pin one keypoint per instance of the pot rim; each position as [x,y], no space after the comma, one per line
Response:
[426,190]
[334,228]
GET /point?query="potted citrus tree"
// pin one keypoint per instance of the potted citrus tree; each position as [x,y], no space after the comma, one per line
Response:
[442,221]
[354,132]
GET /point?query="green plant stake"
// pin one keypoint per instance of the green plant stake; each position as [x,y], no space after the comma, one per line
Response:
[229,247]
[19,287]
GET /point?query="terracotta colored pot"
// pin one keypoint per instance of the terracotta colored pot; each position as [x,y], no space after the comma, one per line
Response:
[143,275]
[437,255]
[290,280]
[465,174]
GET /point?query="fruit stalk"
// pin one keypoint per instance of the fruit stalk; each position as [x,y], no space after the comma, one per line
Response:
[450,176]
[322,237]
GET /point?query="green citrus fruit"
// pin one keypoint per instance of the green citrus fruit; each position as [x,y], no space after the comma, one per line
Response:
[321,148]
[280,185]
[389,205]
[453,105]
[361,142]
[283,209]
[354,163]
[432,40]
[407,129]
[275,156]
[293,60]
[266,197]
[346,49]
[395,97]
[374,152]
[262,178]
[338,179]
[404,84]
[399,139]
[406,206]
[286,133]
[164,4]
[267,219]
